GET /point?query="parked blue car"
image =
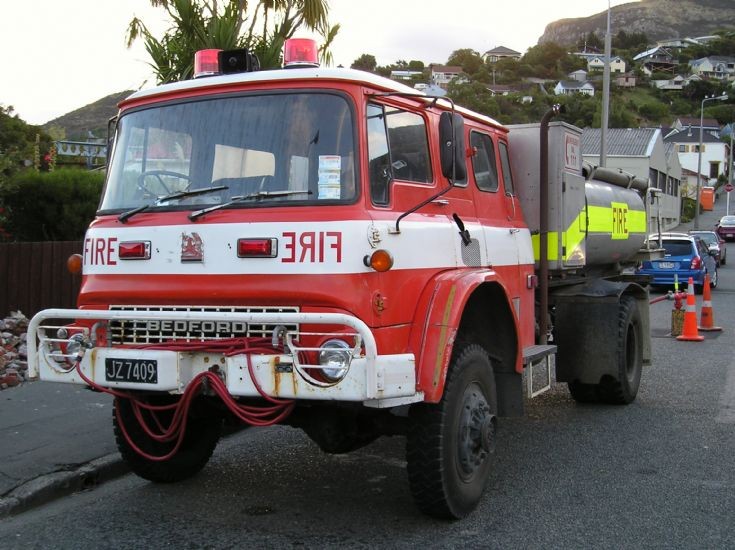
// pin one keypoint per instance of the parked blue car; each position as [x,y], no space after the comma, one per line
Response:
[685,256]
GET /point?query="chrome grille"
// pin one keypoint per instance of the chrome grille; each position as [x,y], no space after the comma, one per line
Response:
[132,331]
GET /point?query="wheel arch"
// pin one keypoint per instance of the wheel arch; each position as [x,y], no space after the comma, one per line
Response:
[470,308]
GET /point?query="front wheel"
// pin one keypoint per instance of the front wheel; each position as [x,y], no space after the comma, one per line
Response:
[451,443]
[203,430]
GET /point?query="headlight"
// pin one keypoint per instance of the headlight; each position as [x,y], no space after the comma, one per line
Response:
[75,345]
[335,357]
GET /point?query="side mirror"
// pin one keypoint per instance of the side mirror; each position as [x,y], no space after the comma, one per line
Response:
[452,146]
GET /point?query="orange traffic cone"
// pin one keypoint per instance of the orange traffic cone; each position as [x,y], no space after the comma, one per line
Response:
[690,333]
[707,318]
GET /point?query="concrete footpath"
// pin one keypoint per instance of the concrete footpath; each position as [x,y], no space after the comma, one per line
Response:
[56,439]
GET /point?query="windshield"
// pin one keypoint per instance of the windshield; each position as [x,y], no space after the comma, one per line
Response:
[292,148]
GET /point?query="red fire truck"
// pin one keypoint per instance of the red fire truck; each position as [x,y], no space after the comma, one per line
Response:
[329,249]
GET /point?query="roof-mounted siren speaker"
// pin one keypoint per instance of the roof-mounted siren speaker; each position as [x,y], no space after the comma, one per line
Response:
[214,62]
[238,61]
[300,53]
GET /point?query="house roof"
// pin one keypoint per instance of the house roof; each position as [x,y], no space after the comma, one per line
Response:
[621,142]
[651,52]
[501,88]
[446,69]
[502,50]
[574,84]
[713,59]
[601,58]
[694,122]
[686,136]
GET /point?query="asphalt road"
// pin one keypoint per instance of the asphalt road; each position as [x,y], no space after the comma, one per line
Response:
[658,473]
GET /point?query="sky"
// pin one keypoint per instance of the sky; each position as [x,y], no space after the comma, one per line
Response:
[58,56]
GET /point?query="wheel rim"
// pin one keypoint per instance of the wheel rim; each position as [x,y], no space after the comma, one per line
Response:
[477,426]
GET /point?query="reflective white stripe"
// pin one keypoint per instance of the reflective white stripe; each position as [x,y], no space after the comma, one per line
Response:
[303,247]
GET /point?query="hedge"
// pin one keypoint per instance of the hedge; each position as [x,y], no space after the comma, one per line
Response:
[49,206]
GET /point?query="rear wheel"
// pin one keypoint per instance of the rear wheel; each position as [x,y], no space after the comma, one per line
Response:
[621,388]
[450,444]
[203,430]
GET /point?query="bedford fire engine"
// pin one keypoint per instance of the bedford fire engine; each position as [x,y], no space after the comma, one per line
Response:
[336,251]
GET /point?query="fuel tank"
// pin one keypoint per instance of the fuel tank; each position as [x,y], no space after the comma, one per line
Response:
[597,216]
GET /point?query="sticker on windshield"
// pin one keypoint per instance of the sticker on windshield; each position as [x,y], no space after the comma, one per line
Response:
[330,168]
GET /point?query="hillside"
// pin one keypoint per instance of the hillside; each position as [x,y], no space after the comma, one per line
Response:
[658,19]
[90,118]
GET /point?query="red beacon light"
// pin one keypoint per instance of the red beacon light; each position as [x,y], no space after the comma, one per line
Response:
[206,63]
[300,52]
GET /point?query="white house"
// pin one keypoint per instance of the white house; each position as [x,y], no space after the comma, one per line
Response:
[568,87]
[405,75]
[579,75]
[501,52]
[441,75]
[714,152]
[714,66]
[676,83]
[597,63]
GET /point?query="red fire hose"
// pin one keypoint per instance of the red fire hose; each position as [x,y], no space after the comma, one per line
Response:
[176,429]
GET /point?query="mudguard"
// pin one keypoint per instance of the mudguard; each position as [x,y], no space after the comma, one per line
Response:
[442,305]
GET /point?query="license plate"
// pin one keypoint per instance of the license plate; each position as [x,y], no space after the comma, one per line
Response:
[666,265]
[141,371]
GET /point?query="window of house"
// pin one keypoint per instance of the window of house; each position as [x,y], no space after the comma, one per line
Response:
[483,161]
[682,148]
[398,149]
[714,169]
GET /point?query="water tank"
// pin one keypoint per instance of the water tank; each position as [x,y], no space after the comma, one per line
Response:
[597,216]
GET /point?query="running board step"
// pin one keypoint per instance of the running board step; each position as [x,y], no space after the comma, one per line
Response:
[537,356]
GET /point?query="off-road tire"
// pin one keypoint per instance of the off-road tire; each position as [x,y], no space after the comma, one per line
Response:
[583,393]
[202,434]
[622,389]
[450,444]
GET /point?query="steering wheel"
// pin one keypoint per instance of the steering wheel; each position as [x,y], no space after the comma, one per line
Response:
[158,174]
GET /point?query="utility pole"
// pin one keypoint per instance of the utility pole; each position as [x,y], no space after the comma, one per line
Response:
[605,92]
[722,97]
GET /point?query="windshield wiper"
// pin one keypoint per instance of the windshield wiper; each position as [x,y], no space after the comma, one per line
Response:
[240,198]
[125,216]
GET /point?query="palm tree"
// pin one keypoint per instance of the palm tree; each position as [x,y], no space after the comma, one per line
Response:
[203,24]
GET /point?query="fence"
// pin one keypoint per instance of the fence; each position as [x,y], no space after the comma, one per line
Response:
[33,276]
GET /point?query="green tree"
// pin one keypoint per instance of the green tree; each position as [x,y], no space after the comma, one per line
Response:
[468,59]
[590,42]
[17,142]
[229,24]
[365,62]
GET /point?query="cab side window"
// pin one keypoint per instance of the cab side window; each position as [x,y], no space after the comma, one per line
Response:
[505,162]
[483,161]
[398,148]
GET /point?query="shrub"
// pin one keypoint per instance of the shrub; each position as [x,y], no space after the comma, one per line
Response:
[50,206]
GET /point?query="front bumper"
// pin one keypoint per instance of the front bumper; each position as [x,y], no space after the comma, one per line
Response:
[375,380]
